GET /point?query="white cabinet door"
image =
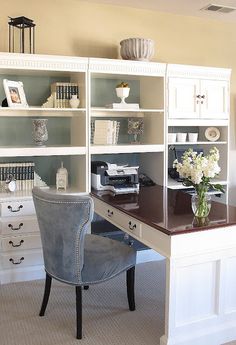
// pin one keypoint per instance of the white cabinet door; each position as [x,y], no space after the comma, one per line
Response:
[214,99]
[183,101]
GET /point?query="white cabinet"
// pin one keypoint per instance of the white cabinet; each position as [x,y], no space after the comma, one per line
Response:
[214,99]
[194,98]
[20,242]
[182,98]
[197,92]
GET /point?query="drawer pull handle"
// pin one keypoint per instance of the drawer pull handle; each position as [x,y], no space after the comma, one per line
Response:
[16,262]
[16,245]
[109,213]
[132,227]
[17,210]
[18,228]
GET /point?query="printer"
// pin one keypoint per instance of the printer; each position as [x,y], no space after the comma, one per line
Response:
[119,179]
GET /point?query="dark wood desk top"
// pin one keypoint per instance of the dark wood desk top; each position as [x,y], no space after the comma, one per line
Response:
[167,210]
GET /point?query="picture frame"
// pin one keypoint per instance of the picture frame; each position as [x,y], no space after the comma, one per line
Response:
[15,94]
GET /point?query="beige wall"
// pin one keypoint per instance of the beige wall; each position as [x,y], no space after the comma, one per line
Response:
[73,27]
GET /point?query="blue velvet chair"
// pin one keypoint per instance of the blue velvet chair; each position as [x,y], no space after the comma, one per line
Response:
[74,257]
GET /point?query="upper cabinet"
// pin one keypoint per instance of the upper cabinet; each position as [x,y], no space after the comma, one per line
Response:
[197,92]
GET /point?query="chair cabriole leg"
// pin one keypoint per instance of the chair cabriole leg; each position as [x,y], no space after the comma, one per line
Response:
[130,279]
[47,289]
[78,291]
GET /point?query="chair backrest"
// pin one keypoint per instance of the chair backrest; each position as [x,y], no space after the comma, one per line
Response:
[63,221]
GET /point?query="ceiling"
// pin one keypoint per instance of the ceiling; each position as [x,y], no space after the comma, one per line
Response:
[181,7]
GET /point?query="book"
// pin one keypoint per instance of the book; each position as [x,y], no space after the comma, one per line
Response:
[123,106]
[62,93]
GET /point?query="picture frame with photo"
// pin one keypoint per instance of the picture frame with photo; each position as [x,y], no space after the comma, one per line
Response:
[15,94]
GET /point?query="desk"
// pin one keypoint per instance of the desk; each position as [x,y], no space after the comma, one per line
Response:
[200,302]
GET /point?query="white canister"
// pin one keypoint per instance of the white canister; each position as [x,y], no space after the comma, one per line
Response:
[181,137]
[192,137]
[171,137]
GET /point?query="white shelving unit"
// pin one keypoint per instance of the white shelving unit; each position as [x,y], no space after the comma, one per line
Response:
[170,99]
[20,244]
[147,88]
[198,98]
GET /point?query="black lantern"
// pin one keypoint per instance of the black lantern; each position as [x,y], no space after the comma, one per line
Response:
[23,40]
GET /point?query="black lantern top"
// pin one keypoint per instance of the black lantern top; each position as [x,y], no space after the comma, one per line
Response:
[21,22]
[21,42]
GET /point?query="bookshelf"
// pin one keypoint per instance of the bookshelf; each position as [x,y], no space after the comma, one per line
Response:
[68,142]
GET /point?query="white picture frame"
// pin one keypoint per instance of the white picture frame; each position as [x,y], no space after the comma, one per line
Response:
[15,94]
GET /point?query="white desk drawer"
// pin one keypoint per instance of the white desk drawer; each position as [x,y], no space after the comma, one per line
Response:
[18,225]
[129,224]
[16,208]
[21,259]
[15,243]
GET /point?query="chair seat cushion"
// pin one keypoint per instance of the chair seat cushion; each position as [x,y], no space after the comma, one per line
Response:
[104,258]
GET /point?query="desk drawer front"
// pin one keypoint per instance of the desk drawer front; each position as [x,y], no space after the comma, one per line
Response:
[21,259]
[16,208]
[18,225]
[131,225]
[15,243]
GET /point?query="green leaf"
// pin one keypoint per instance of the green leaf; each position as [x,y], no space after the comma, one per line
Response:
[218,187]
[187,183]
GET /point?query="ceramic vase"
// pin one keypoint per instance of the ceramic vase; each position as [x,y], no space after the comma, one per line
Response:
[40,132]
[74,101]
[122,93]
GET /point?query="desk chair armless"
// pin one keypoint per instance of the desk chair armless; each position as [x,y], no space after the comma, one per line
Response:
[74,257]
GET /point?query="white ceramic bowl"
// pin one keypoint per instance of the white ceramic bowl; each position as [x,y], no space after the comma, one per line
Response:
[140,49]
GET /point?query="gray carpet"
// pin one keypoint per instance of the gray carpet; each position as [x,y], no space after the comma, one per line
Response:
[106,319]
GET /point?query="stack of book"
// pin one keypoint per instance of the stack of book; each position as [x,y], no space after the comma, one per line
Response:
[22,173]
[62,93]
[105,132]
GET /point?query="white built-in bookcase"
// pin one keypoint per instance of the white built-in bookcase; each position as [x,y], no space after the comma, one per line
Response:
[170,100]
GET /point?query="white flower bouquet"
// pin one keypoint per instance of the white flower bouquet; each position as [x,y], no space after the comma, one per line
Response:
[197,171]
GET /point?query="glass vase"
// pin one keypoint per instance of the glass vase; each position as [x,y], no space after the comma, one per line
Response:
[40,132]
[201,205]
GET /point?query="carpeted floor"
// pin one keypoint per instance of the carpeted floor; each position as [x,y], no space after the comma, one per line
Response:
[106,319]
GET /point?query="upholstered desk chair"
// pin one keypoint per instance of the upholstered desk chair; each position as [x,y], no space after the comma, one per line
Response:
[74,257]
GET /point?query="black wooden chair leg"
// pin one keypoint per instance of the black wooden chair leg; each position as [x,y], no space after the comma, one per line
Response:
[78,291]
[86,287]
[130,279]
[47,289]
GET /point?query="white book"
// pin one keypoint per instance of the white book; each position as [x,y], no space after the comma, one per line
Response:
[123,106]
[103,132]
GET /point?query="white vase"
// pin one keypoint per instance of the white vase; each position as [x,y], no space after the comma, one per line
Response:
[74,101]
[122,93]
